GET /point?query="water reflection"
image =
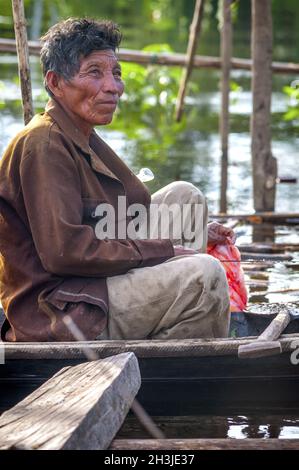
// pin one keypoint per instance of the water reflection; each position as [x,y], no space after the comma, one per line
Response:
[257,427]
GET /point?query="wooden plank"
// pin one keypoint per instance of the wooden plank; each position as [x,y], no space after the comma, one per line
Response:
[175,59]
[204,444]
[141,348]
[86,403]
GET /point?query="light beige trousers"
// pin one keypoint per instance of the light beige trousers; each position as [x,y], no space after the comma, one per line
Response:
[184,297]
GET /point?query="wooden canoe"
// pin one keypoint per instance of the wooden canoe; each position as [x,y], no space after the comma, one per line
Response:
[179,377]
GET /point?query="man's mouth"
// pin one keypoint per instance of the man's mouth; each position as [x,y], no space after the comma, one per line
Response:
[109,103]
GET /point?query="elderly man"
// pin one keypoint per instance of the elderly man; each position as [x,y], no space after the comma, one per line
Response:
[55,176]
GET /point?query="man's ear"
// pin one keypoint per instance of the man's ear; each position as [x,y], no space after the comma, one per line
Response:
[54,82]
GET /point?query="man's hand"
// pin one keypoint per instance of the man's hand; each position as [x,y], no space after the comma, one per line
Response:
[218,233]
[181,250]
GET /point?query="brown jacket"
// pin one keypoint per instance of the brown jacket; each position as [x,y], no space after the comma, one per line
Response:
[51,263]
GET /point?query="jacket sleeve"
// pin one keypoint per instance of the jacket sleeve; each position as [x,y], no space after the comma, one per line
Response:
[50,183]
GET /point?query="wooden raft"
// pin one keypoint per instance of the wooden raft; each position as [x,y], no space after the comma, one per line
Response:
[80,407]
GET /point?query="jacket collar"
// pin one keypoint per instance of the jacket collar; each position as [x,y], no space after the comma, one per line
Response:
[64,121]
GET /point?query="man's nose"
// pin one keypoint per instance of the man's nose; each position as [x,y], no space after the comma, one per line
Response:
[111,85]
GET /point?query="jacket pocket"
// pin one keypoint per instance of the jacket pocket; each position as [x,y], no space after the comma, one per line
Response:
[81,300]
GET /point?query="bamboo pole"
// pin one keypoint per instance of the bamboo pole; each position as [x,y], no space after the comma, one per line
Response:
[193,38]
[264,165]
[226,52]
[23,58]
[169,60]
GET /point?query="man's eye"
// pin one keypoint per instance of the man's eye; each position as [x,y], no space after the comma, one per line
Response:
[117,73]
[94,72]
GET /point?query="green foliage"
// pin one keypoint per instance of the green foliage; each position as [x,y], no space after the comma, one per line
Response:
[2,89]
[236,90]
[235,10]
[292,92]
[235,87]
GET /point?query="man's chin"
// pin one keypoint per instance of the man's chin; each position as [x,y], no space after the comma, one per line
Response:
[104,120]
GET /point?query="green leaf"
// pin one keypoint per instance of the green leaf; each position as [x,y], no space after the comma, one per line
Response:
[291,114]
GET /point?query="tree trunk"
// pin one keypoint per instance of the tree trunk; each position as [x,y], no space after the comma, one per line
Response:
[23,58]
[264,165]
[226,52]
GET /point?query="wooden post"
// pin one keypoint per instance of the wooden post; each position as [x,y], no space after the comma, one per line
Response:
[23,58]
[264,165]
[226,53]
[193,38]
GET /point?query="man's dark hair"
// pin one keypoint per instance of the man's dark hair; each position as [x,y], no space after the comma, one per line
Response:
[70,40]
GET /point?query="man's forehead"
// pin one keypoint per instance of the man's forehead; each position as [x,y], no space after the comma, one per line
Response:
[100,57]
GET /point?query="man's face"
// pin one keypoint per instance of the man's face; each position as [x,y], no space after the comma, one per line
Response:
[93,93]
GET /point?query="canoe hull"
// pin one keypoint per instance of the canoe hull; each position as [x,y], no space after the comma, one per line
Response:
[181,385]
